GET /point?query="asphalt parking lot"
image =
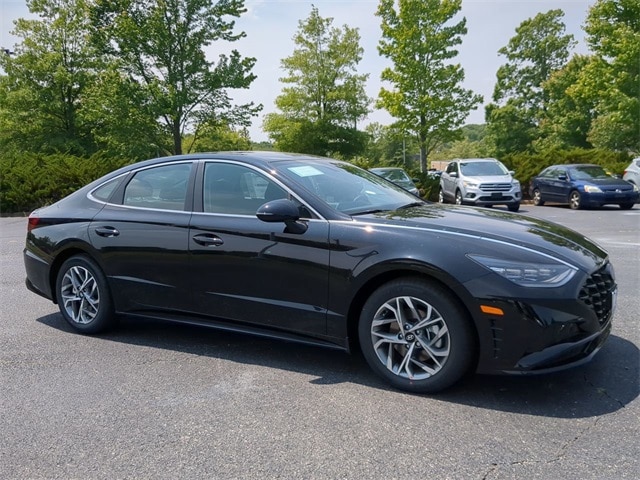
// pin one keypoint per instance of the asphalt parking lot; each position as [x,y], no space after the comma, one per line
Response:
[153,400]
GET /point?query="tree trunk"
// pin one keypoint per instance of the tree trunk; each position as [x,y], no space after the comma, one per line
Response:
[177,138]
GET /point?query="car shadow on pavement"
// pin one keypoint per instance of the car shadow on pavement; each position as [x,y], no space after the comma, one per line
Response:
[607,384]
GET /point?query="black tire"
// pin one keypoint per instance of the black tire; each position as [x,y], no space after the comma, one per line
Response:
[575,200]
[441,198]
[459,200]
[626,206]
[83,296]
[417,359]
[514,207]
[537,198]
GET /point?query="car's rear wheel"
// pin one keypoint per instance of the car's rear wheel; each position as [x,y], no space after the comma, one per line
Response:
[626,206]
[458,197]
[514,207]
[83,295]
[537,198]
[575,200]
[416,335]
[441,196]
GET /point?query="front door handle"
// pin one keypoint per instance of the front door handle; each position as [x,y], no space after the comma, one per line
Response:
[107,231]
[208,240]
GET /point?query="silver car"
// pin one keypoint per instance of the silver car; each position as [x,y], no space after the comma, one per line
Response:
[632,172]
[480,181]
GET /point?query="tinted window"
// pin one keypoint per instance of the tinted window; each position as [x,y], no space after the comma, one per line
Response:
[473,169]
[163,187]
[588,172]
[238,190]
[104,192]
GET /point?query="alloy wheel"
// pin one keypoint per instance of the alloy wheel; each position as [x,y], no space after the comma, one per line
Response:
[410,338]
[80,295]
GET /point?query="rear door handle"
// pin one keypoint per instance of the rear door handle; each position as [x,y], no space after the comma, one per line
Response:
[208,240]
[107,231]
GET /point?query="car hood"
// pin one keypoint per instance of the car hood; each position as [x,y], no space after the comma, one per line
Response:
[489,179]
[608,182]
[498,226]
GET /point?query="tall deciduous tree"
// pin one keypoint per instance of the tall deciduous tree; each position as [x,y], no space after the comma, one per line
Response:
[538,49]
[568,115]
[325,96]
[612,79]
[159,44]
[40,93]
[419,37]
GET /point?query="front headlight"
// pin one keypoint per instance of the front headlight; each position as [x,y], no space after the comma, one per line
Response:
[469,184]
[527,274]
[592,189]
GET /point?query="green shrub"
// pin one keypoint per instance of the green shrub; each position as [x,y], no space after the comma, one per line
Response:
[29,181]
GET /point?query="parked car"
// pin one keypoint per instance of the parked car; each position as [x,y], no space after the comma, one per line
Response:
[397,176]
[479,181]
[581,186]
[632,172]
[320,251]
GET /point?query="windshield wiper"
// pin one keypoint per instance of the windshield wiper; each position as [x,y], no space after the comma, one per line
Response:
[410,205]
[367,212]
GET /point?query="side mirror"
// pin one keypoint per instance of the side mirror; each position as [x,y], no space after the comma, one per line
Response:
[512,172]
[562,177]
[282,211]
[454,174]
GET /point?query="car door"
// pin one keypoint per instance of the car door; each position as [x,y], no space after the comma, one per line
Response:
[246,270]
[142,233]
[449,181]
[559,185]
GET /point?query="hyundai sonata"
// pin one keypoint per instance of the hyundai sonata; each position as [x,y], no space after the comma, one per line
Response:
[320,251]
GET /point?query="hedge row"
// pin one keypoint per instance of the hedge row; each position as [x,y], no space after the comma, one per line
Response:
[30,181]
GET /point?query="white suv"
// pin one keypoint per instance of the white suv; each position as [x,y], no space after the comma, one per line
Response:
[632,172]
[480,181]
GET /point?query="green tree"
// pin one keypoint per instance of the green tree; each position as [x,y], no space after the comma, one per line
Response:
[41,91]
[538,49]
[427,98]
[611,81]
[567,117]
[160,46]
[388,145]
[325,96]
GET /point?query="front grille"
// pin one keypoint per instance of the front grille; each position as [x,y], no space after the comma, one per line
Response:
[495,187]
[597,293]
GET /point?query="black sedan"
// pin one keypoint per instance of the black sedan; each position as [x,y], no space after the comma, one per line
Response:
[582,186]
[319,251]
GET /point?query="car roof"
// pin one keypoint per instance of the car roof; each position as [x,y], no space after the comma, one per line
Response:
[572,165]
[476,160]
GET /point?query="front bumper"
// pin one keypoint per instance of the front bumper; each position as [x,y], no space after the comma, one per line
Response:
[481,197]
[595,199]
[540,335]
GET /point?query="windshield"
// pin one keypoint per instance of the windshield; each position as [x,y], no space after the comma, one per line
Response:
[345,187]
[480,169]
[393,175]
[588,172]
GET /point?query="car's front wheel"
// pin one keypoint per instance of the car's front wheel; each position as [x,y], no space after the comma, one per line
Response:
[416,335]
[626,206]
[575,200]
[458,197]
[514,207]
[83,295]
